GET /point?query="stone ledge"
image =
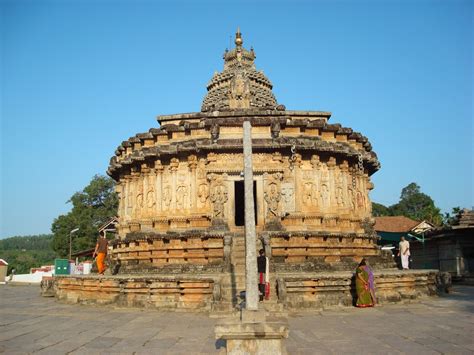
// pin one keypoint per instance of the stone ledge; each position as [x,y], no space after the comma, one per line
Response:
[233,329]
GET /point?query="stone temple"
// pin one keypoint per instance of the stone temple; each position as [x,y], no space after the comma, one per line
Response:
[181,214]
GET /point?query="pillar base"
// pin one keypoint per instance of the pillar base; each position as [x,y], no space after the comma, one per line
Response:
[260,338]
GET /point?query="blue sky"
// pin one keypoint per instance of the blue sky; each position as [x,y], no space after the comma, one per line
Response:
[79,77]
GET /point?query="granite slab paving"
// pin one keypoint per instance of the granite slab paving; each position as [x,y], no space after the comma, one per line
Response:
[31,324]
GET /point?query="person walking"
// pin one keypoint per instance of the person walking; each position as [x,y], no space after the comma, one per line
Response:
[263,275]
[101,252]
[404,252]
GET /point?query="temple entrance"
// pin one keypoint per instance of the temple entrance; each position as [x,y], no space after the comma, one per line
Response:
[239,202]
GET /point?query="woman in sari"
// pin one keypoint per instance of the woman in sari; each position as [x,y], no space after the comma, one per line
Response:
[365,285]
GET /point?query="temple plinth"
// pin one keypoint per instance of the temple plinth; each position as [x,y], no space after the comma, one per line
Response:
[181,205]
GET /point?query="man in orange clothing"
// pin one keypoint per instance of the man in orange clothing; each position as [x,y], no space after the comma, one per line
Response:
[101,252]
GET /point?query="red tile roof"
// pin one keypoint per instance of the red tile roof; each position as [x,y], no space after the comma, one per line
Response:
[3,263]
[394,224]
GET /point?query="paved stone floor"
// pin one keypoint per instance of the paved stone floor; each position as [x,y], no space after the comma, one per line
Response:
[32,324]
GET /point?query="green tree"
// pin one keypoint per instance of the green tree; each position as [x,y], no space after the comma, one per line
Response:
[91,208]
[416,205]
[450,219]
[379,210]
[23,253]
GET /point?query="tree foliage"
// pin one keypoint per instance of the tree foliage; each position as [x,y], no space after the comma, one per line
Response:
[29,242]
[91,208]
[413,204]
[380,210]
[23,253]
[450,219]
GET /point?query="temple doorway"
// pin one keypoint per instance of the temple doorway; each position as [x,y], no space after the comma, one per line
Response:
[239,202]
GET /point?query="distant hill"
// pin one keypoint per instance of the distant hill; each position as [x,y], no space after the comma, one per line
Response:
[24,252]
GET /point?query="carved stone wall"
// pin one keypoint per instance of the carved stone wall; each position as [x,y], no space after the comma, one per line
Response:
[308,192]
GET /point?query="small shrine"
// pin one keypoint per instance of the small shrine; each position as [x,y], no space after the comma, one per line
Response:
[181,212]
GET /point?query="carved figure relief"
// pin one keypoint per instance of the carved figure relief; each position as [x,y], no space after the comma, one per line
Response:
[239,94]
[150,198]
[139,200]
[130,196]
[166,197]
[201,169]
[203,193]
[192,162]
[315,161]
[315,195]
[181,194]
[360,199]
[272,197]
[174,164]
[215,132]
[219,198]
[340,200]
[287,193]
[325,199]
[351,198]
[308,194]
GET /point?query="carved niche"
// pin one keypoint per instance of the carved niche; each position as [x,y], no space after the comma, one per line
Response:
[239,93]
[275,128]
[150,195]
[203,193]
[215,130]
[288,196]
[272,195]
[166,197]
[202,184]
[181,195]
[139,199]
[218,195]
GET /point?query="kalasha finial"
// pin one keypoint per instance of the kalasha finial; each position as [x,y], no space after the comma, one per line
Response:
[238,38]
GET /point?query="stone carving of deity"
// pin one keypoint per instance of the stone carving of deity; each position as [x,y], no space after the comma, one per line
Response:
[315,195]
[203,193]
[287,193]
[272,197]
[150,198]
[166,197]
[181,193]
[215,132]
[340,192]
[351,198]
[130,198]
[219,198]
[308,193]
[239,95]
[139,198]
[325,195]
[360,199]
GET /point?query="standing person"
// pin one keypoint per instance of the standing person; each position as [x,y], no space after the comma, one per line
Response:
[365,295]
[12,274]
[404,252]
[263,275]
[101,252]
[371,281]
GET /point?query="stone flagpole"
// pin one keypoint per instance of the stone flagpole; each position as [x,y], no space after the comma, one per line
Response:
[251,275]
